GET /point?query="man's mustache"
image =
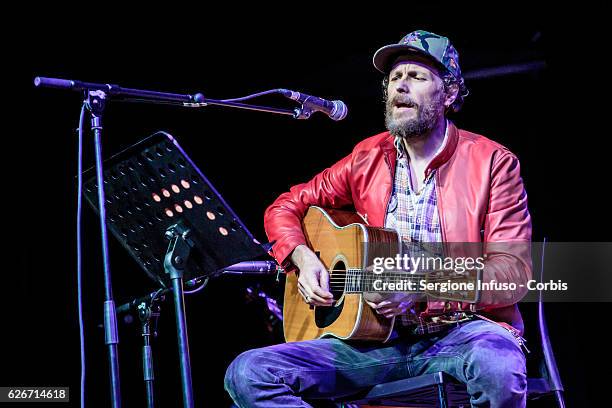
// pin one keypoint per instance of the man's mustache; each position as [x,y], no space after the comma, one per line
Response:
[403,101]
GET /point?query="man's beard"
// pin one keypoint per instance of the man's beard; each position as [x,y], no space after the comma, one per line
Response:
[416,128]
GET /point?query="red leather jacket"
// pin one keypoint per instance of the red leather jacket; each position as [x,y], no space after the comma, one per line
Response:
[480,197]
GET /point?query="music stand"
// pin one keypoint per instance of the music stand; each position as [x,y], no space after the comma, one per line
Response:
[155,193]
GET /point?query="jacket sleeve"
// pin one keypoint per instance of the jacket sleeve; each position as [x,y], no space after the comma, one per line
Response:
[283,219]
[507,234]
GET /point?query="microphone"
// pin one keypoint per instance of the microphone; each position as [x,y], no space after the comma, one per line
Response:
[251,267]
[336,110]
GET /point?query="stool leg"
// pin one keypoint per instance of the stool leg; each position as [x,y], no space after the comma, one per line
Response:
[442,401]
[560,399]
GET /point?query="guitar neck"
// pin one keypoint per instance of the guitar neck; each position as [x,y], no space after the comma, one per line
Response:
[358,281]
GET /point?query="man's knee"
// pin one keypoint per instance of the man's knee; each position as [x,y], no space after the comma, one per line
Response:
[246,371]
[238,372]
[496,370]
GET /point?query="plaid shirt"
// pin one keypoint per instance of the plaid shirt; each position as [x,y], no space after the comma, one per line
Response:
[414,215]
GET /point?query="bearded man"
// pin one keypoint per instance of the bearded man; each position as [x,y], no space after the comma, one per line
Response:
[431,182]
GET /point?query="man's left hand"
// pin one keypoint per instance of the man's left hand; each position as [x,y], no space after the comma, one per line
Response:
[390,309]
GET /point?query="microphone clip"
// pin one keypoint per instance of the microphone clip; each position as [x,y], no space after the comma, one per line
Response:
[303,112]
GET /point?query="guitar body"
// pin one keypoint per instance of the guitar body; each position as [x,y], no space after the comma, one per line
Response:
[342,241]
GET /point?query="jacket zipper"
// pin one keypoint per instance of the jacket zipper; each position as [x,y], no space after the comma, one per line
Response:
[392,173]
[439,205]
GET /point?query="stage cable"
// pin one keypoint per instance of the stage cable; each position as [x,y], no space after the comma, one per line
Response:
[199,288]
[79,251]
[244,98]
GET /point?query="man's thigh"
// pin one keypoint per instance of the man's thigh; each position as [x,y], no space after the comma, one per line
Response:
[472,341]
[481,354]
[325,367]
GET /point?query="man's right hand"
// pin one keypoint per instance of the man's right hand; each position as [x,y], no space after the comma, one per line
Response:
[313,280]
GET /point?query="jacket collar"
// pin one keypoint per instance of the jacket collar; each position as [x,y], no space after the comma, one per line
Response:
[442,157]
[448,151]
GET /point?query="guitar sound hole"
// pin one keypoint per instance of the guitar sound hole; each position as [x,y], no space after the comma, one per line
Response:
[325,316]
[337,280]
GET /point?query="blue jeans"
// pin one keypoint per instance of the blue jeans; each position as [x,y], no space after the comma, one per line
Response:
[480,354]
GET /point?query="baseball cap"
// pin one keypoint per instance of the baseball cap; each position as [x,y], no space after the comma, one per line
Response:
[436,47]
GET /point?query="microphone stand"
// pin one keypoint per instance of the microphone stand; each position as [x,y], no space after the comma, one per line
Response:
[147,311]
[197,100]
[148,308]
[97,95]
[95,103]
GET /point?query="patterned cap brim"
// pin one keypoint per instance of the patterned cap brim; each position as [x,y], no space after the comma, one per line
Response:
[385,56]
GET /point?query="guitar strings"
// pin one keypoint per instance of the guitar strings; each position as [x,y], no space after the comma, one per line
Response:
[438,279]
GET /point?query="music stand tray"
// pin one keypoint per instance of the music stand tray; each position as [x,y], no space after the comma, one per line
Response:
[154,185]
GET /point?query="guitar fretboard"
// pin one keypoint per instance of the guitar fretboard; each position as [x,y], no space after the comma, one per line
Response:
[358,281]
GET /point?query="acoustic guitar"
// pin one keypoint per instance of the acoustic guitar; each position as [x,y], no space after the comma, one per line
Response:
[346,246]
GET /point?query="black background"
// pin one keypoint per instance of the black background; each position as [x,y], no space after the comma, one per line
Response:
[550,119]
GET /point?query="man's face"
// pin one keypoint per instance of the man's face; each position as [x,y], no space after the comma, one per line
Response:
[415,98]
